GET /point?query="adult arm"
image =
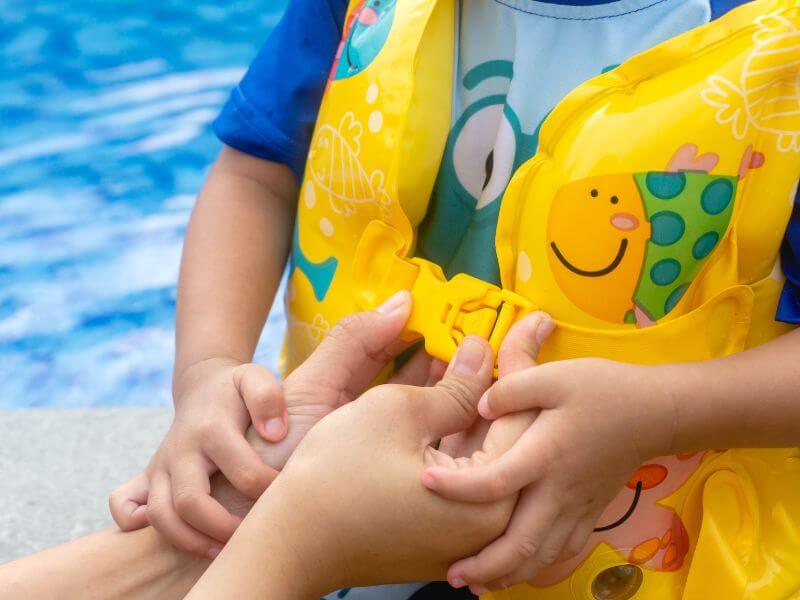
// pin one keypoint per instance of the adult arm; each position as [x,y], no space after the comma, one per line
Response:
[348,509]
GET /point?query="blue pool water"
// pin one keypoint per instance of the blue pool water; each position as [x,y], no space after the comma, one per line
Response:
[105,112]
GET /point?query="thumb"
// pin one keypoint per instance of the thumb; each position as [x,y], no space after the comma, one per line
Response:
[356,350]
[451,405]
[520,348]
[263,396]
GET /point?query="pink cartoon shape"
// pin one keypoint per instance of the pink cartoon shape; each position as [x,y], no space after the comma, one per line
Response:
[643,531]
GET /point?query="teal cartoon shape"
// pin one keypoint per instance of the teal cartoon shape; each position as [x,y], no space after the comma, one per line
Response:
[485,147]
[320,275]
[370,28]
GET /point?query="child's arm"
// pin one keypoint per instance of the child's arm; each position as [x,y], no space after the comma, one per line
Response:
[234,255]
[597,422]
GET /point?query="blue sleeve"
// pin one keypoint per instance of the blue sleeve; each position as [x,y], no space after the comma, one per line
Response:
[271,113]
[789,305]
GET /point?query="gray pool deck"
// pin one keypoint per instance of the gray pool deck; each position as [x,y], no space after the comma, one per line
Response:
[57,467]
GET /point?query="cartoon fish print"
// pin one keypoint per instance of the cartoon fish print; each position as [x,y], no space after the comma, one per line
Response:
[767,95]
[335,166]
[626,247]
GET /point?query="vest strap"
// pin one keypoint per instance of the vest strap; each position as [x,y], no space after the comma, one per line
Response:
[444,311]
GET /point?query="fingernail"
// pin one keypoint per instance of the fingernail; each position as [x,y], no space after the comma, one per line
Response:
[483,405]
[428,480]
[478,590]
[213,552]
[457,582]
[393,303]
[469,357]
[544,329]
[274,427]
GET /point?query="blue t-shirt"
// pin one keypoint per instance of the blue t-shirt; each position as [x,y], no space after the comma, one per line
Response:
[271,114]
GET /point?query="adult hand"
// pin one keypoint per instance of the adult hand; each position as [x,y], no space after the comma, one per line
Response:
[348,508]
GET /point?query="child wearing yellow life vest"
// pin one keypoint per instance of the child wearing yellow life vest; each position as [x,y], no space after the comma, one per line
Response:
[627,167]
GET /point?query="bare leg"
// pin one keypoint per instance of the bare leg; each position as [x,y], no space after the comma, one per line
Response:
[114,564]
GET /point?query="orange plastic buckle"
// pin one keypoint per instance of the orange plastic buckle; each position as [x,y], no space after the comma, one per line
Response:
[443,312]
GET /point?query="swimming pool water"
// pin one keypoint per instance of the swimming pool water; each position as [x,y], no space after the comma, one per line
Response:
[105,113]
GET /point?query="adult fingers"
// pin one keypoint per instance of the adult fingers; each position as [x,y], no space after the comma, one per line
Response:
[451,405]
[524,390]
[128,503]
[356,350]
[191,497]
[263,396]
[522,464]
[239,463]
[520,348]
[522,542]
[163,517]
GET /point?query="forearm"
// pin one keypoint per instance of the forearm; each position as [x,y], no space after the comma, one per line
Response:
[234,254]
[109,564]
[274,553]
[751,399]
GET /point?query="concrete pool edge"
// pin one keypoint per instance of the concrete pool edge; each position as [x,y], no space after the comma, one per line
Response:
[58,465]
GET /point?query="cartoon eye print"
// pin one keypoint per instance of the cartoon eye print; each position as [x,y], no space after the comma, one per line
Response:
[485,150]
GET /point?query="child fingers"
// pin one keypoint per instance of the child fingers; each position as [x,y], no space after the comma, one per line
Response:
[239,463]
[488,482]
[163,517]
[521,346]
[522,390]
[128,503]
[263,396]
[193,503]
[578,539]
[548,555]
[521,543]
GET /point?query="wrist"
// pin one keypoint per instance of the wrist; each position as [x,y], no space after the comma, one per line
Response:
[283,549]
[682,400]
[183,378]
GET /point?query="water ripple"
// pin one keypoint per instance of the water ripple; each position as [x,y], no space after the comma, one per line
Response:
[106,108]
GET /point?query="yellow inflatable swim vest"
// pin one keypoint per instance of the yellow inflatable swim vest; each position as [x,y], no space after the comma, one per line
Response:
[648,224]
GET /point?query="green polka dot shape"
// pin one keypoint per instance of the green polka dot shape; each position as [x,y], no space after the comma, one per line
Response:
[668,227]
[665,271]
[717,196]
[675,297]
[705,244]
[665,185]
[689,213]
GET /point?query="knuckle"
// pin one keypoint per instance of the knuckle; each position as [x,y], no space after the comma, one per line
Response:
[186,500]
[249,482]
[207,428]
[526,548]
[573,548]
[499,482]
[547,557]
[114,498]
[462,393]
[268,392]
[347,327]
[156,512]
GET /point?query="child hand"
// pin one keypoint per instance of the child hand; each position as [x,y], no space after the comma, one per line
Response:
[597,422]
[207,435]
[347,361]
